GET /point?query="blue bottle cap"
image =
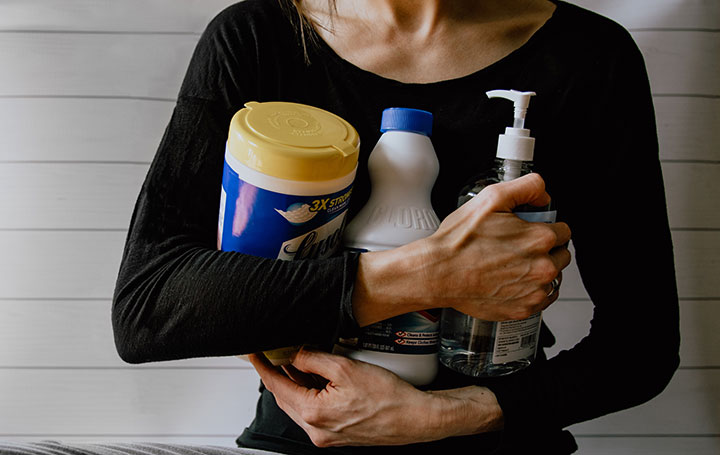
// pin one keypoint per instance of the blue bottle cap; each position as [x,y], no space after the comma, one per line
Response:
[405,119]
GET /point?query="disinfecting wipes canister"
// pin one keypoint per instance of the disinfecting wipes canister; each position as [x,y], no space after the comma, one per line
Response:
[286,184]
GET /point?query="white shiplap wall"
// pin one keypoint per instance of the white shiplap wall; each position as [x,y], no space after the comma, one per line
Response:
[86,89]
[681,43]
[66,194]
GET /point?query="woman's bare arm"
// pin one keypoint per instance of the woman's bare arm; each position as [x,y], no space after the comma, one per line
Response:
[362,404]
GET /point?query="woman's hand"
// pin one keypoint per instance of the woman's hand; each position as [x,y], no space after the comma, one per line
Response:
[362,404]
[483,261]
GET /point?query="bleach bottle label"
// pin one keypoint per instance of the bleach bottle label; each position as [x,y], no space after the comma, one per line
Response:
[412,333]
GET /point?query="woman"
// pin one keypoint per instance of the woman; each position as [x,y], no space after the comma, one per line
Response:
[177,297]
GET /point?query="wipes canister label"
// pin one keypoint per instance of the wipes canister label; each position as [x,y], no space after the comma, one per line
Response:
[274,225]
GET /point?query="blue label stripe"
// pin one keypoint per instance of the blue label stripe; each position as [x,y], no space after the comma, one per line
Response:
[259,222]
[548,216]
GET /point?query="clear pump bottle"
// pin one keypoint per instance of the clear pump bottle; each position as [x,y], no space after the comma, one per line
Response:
[485,348]
[403,167]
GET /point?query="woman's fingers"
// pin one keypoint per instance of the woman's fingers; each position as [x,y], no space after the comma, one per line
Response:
[329,366]
[505,196]
[309,380]
[294,399]
[275,381]
[561,257]
[562,232]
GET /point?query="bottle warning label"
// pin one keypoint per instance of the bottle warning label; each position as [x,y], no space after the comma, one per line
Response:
[412,333]
[516,340]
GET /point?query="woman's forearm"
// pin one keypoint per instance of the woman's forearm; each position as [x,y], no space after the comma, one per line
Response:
[363,404]
[468,410]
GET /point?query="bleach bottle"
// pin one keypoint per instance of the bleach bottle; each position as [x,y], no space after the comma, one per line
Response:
[403,168]
[485,348]
[287,180]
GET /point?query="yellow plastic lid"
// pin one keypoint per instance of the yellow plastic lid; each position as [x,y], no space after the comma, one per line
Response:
[293,141]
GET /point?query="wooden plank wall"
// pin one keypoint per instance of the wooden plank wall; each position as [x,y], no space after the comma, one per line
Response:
[680,40]
[87,89]
[66,194]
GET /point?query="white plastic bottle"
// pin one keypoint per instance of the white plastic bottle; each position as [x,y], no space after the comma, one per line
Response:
[403,168]
[484,348]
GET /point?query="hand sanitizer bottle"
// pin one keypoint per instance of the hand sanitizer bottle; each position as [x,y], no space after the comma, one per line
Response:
[403,168]
[484,348]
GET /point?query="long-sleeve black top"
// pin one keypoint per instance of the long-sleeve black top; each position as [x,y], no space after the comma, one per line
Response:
[178,297]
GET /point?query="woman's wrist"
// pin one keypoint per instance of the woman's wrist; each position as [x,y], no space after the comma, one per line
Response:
[387,284]
[467,411]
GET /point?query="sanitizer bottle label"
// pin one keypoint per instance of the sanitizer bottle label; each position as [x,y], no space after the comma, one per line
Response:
[516,340]
[279,226]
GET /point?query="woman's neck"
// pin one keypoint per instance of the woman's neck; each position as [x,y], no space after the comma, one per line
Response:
[429,40]
[404,16]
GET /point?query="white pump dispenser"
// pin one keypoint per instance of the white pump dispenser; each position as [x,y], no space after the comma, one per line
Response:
[516,143]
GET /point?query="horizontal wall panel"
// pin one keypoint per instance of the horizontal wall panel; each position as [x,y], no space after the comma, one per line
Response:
[569,321]
[572,287]
[692,191]
[61,129]
[69,265]
[700,337]
[690,405]
[89,129]
[127,402]
[660,445]
[687,127]
[57,265]
[692,55]
[697,263]
[102,196]
[658,13]
[68,195]
[188,16]
[34,334]
[60,64]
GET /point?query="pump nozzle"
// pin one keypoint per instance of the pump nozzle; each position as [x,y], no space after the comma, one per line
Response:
[520,100]
[516,143]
